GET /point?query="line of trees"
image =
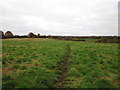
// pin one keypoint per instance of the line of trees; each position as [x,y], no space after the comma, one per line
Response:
[7,34]
[31,35]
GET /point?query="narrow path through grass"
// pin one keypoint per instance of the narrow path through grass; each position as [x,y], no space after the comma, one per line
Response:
[63,69]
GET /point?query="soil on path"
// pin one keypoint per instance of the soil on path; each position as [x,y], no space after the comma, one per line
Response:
[63,69]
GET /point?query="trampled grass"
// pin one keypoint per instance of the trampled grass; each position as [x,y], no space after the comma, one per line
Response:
[34,63]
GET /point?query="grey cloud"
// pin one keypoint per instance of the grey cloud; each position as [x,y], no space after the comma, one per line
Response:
[60,17]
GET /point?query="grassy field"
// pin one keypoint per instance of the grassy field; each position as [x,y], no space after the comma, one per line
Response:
[36,63]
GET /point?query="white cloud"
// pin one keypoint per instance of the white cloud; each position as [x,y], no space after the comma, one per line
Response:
[62,17]
[40,22]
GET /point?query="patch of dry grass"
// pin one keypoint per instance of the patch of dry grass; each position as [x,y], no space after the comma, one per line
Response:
[26,39]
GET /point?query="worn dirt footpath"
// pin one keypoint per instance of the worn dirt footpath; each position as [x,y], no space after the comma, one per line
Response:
[63,69]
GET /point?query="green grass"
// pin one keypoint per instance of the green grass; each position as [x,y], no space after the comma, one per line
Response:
[91,62]
[33,63]
[92,40]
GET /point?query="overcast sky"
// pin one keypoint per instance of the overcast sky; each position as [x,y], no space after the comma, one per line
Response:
[60,17]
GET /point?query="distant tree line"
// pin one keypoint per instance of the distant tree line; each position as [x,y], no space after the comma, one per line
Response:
[104,39]
[8,34]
